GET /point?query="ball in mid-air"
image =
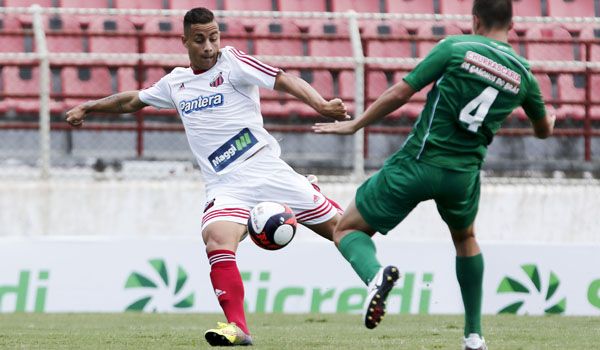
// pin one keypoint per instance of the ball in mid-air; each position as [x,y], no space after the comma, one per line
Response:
[271,225]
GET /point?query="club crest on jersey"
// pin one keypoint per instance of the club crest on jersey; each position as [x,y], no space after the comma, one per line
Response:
[218,80]
[200,103]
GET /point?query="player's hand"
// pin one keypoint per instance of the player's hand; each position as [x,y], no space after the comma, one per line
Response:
[334,109]
[343,128]
[75,116]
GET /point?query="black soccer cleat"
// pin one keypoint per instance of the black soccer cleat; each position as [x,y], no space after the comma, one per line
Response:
[378,291]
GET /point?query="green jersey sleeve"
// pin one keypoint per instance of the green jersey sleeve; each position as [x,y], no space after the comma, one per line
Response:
[533,104]
[432,67]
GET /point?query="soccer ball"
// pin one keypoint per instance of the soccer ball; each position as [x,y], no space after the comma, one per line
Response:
[272,225]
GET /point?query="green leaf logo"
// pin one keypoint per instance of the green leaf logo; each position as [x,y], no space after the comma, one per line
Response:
[159,284]
[532,289]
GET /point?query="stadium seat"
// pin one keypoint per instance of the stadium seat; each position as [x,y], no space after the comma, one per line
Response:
[527,8]
[377,83]
[24,82]
[245,5]
[303,5]
[271,42]
[591,33]
[338,43]
[375,35]
[92,82]
[190,4]
[548,50]
[85,4]
[356,5]
[456,7]
[571,8]
[410,6]
[233,33]
[11,42]
[345,87]
[138,4]
[63,34]
[163,35]
[571,88]
[595,86]
[27,3]
[435,30]
[112,34]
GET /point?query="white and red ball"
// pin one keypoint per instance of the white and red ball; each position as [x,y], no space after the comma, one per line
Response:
[272,225]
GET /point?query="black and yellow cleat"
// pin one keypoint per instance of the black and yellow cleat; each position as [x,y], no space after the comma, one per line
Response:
[378,291]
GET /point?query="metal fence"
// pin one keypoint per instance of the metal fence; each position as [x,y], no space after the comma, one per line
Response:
[54,58]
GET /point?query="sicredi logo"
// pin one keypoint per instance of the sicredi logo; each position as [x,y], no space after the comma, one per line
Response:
[162,294]
[200,103]
[533,295]
[232,149]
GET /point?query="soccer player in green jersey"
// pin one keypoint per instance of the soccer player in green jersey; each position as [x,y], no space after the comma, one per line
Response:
[479,81]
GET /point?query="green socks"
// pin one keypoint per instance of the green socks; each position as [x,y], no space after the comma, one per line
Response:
[469,272]
[358,248]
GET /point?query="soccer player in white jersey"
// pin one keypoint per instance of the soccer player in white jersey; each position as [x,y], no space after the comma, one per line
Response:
[217,99]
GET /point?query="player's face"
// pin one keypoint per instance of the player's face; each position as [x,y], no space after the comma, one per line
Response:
[202,42]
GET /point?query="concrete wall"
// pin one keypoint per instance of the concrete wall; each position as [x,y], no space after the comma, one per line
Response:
[549,212]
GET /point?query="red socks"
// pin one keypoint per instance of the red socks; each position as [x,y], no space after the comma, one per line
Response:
[228,286]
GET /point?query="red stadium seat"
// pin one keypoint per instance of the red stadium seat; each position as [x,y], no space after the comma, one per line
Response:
[595,109]
[190,4]
[571,8]
[434,30]
[338,44]
[410,6]
[303,5]
[27,3]
[571,88]
[233,33]
[138,4]
[63,34]
[527,8]
[84,4]
[347,89]
[377,83]
[245,5]
[24,81]
[375,34]
[591,33]
[113,34]
[163,35]
[456,7]
[95,81]
[549,51]
[11,34]
[545,86]
[356,5]
[272,44]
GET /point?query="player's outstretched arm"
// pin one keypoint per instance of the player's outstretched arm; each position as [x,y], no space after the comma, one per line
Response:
[304,92]
[392,99]
[124,102]
[544,127]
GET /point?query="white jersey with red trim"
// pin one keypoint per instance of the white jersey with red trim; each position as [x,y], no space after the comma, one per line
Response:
[220,109]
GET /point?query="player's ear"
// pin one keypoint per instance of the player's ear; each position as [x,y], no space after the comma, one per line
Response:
[184,40]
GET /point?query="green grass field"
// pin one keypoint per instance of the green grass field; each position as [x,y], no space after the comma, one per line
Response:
[275,331]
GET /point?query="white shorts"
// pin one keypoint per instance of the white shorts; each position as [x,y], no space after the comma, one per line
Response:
[264,178]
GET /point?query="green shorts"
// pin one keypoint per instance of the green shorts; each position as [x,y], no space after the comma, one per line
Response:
[385,199]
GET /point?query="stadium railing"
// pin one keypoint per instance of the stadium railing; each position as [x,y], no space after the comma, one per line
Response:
[343,54]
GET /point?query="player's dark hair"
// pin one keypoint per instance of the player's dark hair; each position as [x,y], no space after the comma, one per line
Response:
[493,13]
[198,15]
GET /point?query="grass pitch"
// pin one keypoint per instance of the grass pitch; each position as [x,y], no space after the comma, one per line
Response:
[276,331]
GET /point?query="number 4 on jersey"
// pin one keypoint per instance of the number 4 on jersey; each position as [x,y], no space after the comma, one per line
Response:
[480,105]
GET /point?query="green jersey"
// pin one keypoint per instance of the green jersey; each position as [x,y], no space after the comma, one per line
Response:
[478,83]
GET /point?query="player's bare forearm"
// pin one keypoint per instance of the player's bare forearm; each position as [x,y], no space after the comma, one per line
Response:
[392,99]
[544,127]
[306,93]
[124,102]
